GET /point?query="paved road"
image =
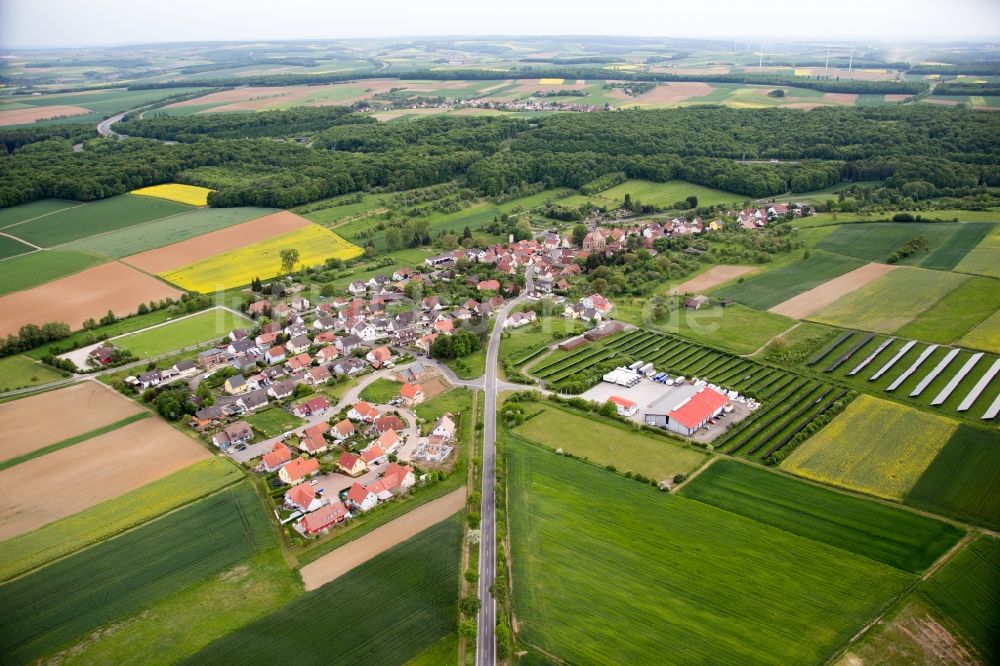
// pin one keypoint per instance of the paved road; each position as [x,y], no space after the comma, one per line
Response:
[104,127]
[486,635]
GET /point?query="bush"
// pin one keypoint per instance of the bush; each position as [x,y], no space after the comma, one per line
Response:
[467,628]
[902,217]
[470,606]
[473,519]
[471,576]
[680,478]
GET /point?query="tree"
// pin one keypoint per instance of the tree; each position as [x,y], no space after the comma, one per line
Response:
[692,201]
[600,285]
[579,233]
[394,238]
[628,201]
[467,232]
[289,257]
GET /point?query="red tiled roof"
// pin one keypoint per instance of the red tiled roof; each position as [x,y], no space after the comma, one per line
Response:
[344,427]
[324,517]
[348,460]
[278,455]
[621,402]
[301,467]
[409,390]
[301,495]
[698,408]
[357,493]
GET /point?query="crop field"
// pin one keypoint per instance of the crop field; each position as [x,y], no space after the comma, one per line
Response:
[963,481]
[80,338]
[31,270]
[958,313]
[947,242]
[765,290]
[736,328]
[874,446]
[664,195]
[984,259]
[35,209]
[11,248]
[892,301]
[965,591]
[164,232]
[20,372]
[202,327]
[581,534]
[104,520]
[412,588]
[99,217]
[191,195]
[808,302]
[56,603]
[85,295]
[100,103]
[262,259]
[985,335]
[272,422]
[609,444]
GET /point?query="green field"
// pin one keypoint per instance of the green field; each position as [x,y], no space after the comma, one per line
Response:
[30,211]
[736,328]
[874,446]
[607,570]
[31,270]
[765,290]
[385,612]
[336,211]
[381,391]
[98,217]
[884,533]
[984,259]
[891,301]
[202,327]
[947,242]
[11,248]
[273,422]
[963,481]
[608,443]
[113,516]
[965,591]
[127,573]
[140,238]
[454,401]
[120,327]
[959,312]
[518,342]
[102,103]
[664,195]
[21,372]
[985,335]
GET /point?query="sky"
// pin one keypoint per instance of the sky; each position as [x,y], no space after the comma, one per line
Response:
[51,23]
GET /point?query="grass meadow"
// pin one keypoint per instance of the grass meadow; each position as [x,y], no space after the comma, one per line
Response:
[984,259]
[21,372]
[985,335]
[959,314]
[902,539]
[947,242]
[272,422]
[608,570]
[31,270]
[127,325]
[381,391]
[665,195]
[11,248]
[736,328]
[127,573]
[765,290]
[203,327]
[385,612]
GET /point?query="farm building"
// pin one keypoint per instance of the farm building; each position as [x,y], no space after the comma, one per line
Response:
[572,343]
[685,409]
[604,330]
[624,406]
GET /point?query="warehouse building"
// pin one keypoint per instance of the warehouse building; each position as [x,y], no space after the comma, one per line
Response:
[685,409]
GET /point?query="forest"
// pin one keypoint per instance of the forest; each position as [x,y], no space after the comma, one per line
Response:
[757,153]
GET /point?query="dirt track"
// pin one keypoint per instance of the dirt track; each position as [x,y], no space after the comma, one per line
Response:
[335,564]
[711,278]
[70,480]
[208,245]
[89,293]
[819,297]
[23,116]
[32,423]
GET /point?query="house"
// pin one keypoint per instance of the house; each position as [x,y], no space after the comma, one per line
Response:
[398,478]
[281,390]
[685,409]
[276,457]
[298,344]
[266,339]
[252,401]
[362,411]
[379,356]
[303,497]
[444,427]
[318,375]
[210,357]
[185,368]
[242,347]
[348,343]
[298,470]
[351,464]
[365,330]
[489,285]
[349,366]
[519,319]
[424,342]
[327,354]
[151,378]
[357,288]
[324,518]
[389,441]
[298,363]
[624,406]
[412,394]
[299,303]
[274,355]
[444,325]
[236,385]
[431,303]
[597,302]
[416,372]
[103,355]
[373,453]
[233,434]
[259,308]
[342,430]
[384,423]
[313,440]
[361,498]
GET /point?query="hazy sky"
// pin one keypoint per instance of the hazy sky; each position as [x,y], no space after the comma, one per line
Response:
[44,23]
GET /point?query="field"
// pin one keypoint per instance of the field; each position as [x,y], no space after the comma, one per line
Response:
[33,114]
[958,313]
[381,391]
[28,425]
[765,290]
[965,592]
[75,478]
[874,446]
[174,229]
[272,422]
[947,242]
[893,536]
[336,210]
[88,294]
[713,277]
[191,195]
[70,534]
[892,301]
[11,248]
[202,327]
[963,481]
[412,588]
[520,342]
[99,104]
[664,195]
[56,604]
[985,335]
[817,298]
[669,575]
[31,270]
[984,259]
[606,444]
[120,327]
[206,246]
[21,371]
[238,267]
[102,216]
[914,634]
[735,328]
[35,209]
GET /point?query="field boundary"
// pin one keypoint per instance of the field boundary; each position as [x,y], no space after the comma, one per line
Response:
[76,439]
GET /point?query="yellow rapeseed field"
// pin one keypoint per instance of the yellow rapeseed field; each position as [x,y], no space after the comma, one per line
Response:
[185,194]
[803,72]
[874,446]
[551,82]
[238,267]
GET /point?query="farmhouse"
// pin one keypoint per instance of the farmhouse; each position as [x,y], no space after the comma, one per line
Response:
[278,456]
[297,470]
[685,409]
[324,518]
[624,406]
